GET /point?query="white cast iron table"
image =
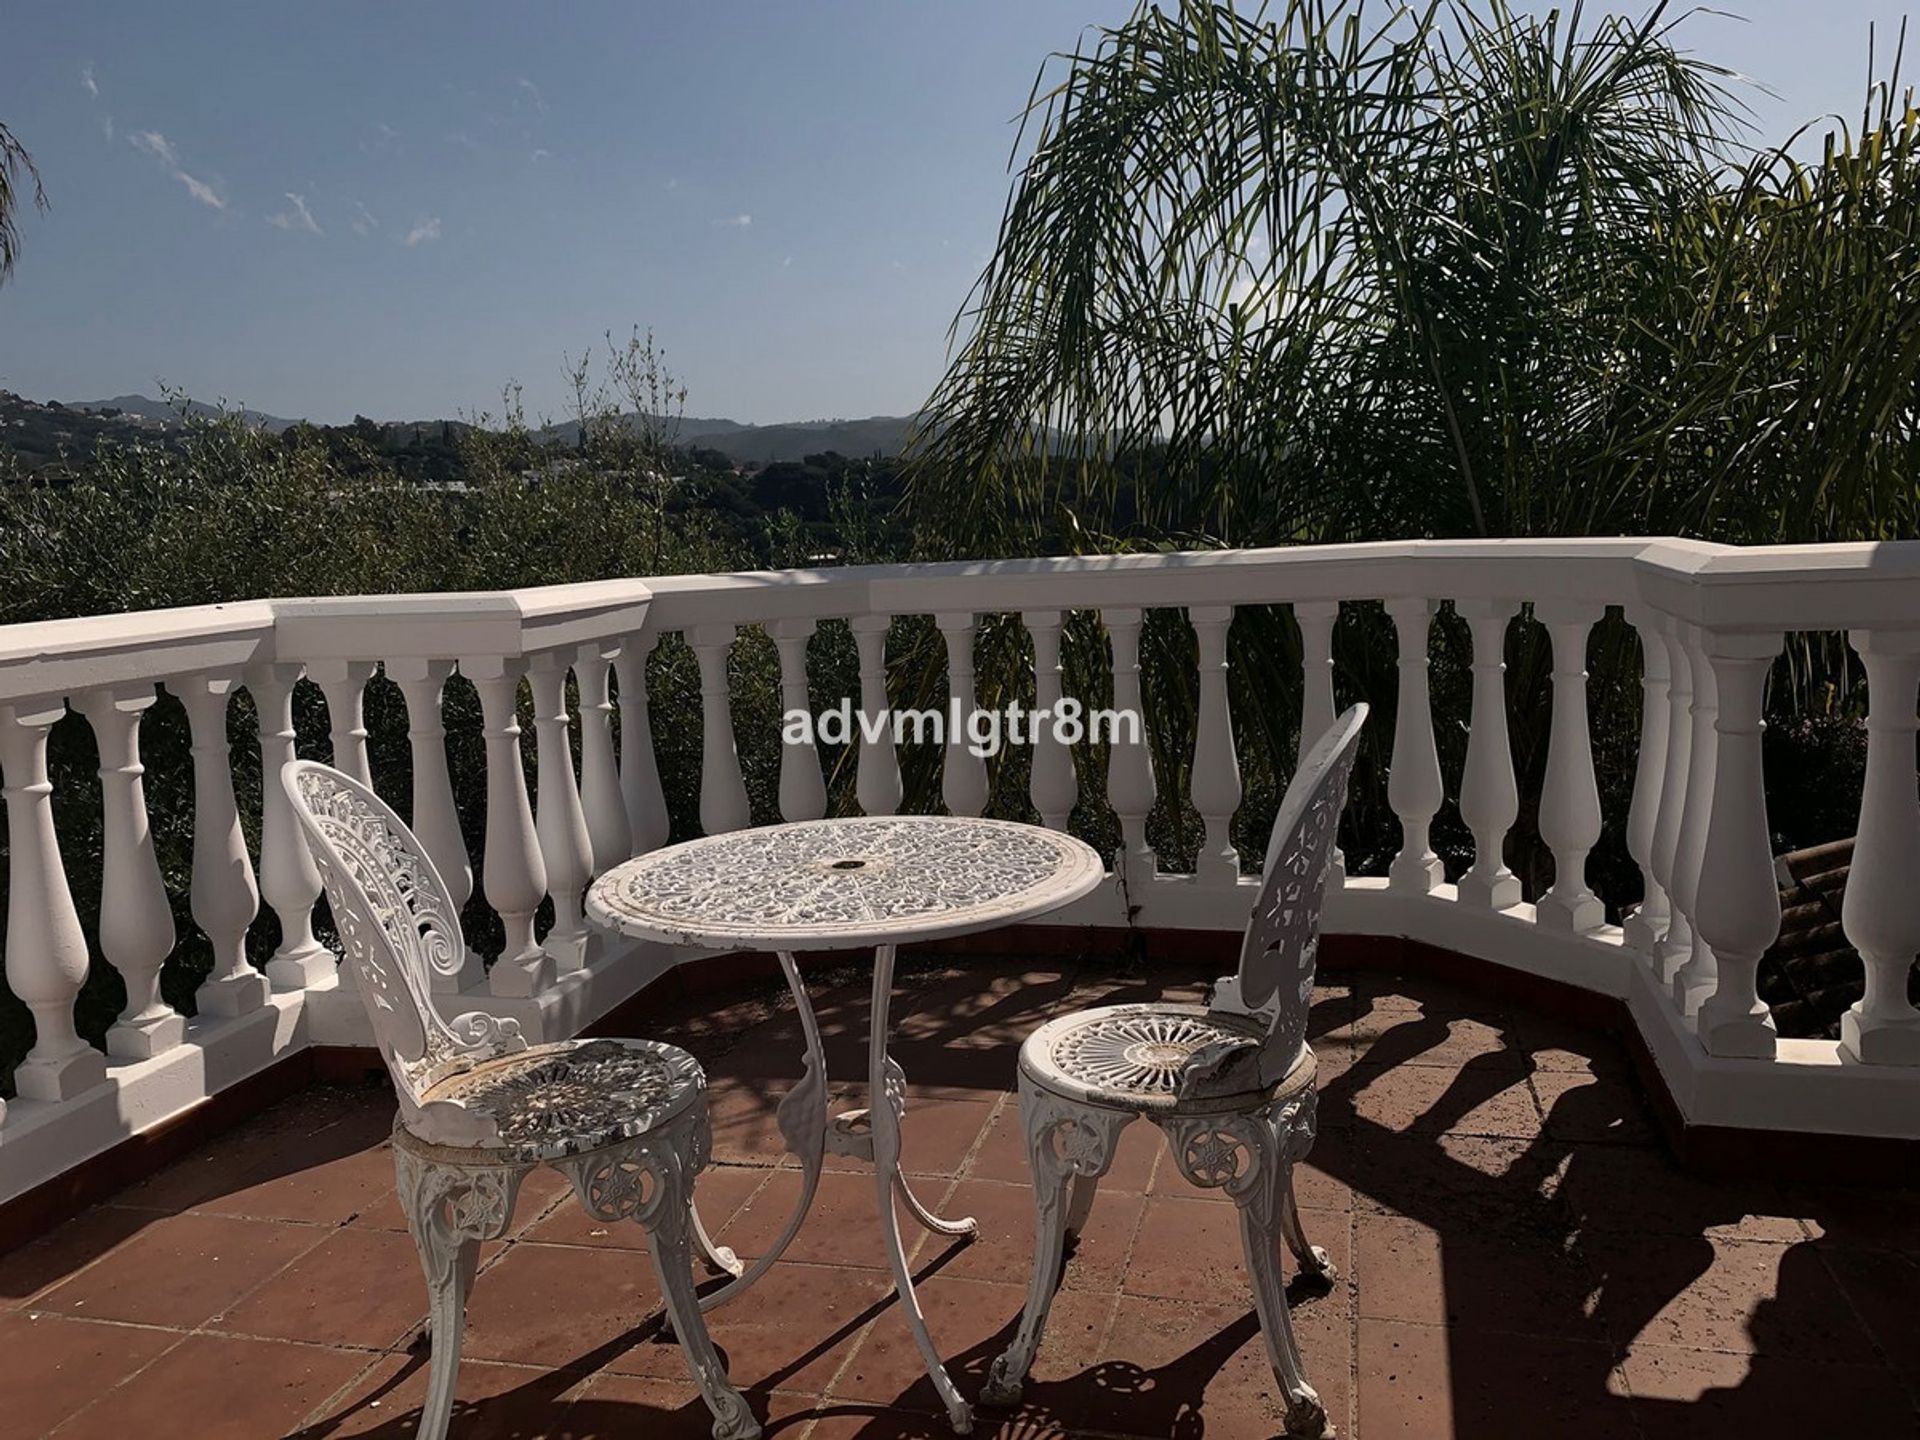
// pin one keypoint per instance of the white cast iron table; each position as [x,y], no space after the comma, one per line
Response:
[882,881]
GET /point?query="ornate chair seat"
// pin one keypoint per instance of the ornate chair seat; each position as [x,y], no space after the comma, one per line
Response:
[1134,1057]
[551,1101]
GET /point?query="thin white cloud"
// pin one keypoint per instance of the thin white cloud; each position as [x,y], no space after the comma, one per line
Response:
[152,142]
[88,83]
[539,155]
[736,222]
[787,264]
[539,100]
[296,216]
[106,127]
[426,228]
[201,191]
[364,221]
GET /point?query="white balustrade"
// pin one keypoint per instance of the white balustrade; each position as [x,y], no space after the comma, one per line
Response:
[46,956]
[1053,786]
[803,788]
[1215,784]
[436,820]
[1570,796]
[723,793]
[1709,621]
[1644,925]
[566,848]
[1316,619]
[1675,942]
[600,797]
[1489,798]
[136,922]
[876,781]
[289,880]
[513,875]
[224,897]
[1130,781]
[1413,780]
[344,683]
[963,774]
[1697,976]
[1737,897]
[1881,910]
[640,788]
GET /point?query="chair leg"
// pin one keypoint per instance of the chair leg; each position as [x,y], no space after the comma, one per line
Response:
[450,1209]
[650,1180]
[1250,1156]
[1314,1261]
[1069,1147]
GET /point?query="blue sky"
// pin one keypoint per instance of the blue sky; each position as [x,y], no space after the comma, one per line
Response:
[393,209]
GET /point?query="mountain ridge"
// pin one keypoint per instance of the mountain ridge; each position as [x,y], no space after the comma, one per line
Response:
[741,442]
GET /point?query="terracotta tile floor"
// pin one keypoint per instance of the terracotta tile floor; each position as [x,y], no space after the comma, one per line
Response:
[1518,1259]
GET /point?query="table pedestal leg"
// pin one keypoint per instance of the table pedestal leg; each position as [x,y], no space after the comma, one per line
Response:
[803,1125]
[886,1084]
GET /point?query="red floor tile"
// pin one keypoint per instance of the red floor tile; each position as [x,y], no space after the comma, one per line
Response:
[1684,1394]
[183,1270]
[51,1367]
[216,1387]
[1488,1181]
[1427,1383]
[357,1288]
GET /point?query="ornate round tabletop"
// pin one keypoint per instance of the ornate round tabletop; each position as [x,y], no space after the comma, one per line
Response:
[827,884]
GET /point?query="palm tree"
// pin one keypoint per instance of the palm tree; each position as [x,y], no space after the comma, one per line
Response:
[1324,273]
[16,169]
[1302,275]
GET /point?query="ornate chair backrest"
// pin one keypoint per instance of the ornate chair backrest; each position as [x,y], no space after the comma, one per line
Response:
[1275,978]
[399,930]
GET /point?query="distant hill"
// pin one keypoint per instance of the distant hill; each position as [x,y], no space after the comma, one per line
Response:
[763,444]
[743,444]
[164,411]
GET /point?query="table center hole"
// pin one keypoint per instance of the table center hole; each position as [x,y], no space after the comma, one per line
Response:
[849,865]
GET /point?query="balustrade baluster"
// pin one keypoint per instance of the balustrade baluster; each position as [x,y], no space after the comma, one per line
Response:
[514,876]
[1052,786]
[1489,798]
[1737,898]
[1676,940]
[136,922]
[600,797]
[1697,976]
[723,794]
[1413,780]
[289,880]
[803,789]
[1570,797]
[344,684]
[1647,921]
[46,956]
[963,774]
[640,788]
[224,897]
[1881,910]
[876,781]
[1316,619]
[566,848]
[436,820]
[1130,779]
[1216,767]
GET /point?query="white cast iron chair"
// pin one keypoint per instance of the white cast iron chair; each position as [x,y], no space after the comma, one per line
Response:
[624,1120]
[1230,1084]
